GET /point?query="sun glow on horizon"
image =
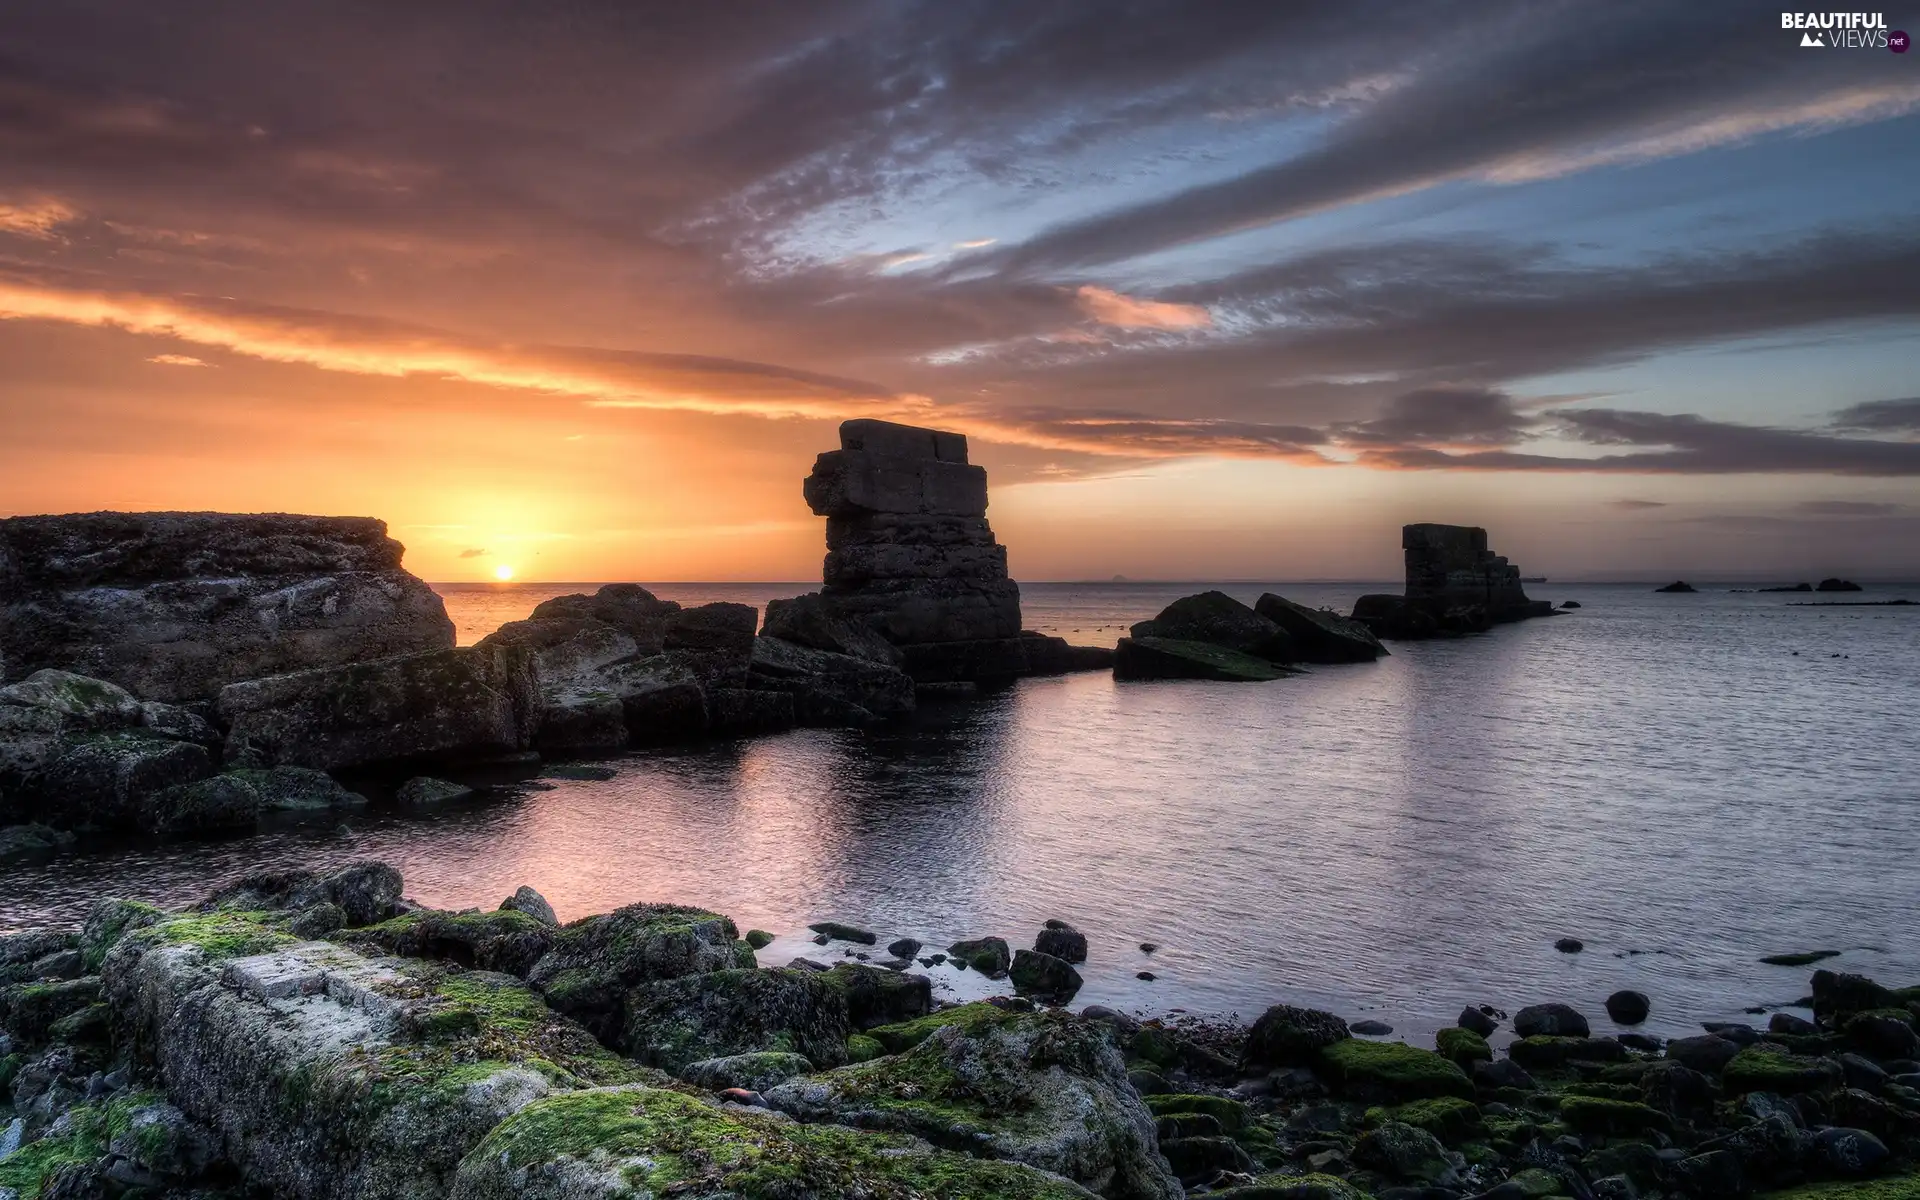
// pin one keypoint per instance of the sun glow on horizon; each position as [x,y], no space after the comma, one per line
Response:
[503,573]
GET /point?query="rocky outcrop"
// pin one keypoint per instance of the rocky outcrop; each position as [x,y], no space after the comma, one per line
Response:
[1206,636]
[176,606]
[1455,585]
[911,561]
[444,705]
[1317,635]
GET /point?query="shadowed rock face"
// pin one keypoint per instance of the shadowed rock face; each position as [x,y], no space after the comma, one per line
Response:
[175,606]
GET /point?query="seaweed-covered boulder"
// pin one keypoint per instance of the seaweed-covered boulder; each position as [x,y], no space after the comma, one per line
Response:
[1707,1053]
[1390,1072]
[29,1011]
[1217,619]
[833,688]
[1405,1153]
[444,705]
[1046,1089]
[880,997]
[365,892]
[635,1142]
[988,955]
[102,780]
[673,1022]
[505,941]
[1759,1070]
[1044,977]
[1837,995]
[1286,1036]
[526,900]
[1138,658]
[592,963]
[81,702]
[174,606]
[754,1071]
[1062,941]
[1319,636]
[324,1073]
[1550,1020]
[238,797]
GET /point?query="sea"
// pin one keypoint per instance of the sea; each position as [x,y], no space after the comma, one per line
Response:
[1684,783]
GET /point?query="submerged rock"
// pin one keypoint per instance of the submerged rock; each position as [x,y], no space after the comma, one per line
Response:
[1045,1089]
[1678,585]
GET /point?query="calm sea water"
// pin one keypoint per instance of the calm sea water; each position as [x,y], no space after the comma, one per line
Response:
[1686,783]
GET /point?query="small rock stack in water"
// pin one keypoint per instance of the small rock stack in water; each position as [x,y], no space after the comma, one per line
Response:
[910,557]
[1455,584]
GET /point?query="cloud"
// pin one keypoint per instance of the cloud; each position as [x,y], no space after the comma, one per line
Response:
[35,219]
[1678,444]
[1847,508]
[1881,416]
[177,360]
[1441,416]
[472,553]
[1128,312]
[1636,505]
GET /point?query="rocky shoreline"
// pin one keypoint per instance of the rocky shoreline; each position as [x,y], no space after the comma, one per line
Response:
[304,1035]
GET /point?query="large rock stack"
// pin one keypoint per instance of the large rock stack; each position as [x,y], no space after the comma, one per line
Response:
[912,562]
[175,606]
[1455,584]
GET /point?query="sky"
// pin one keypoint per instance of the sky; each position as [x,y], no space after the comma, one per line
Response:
[1216,290]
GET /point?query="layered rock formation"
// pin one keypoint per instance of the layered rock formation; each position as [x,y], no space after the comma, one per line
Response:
[1455,584]
[175,606]
[912,562]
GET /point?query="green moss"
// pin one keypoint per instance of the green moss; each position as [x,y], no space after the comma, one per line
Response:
[221,935]
[1391,1071]
[1448,1118]
[1907,1187]
[108,923]
[1462,1046]
[1151,1043]
[667,1142]
[89,1024]
[759,939]
[91,1129]
[1293,1187]
[1804,959]
[1604,1090]
[907,1034]
[1757,1070]
[861,1048]
[1232,1115]
[10,1065]
[1594,1114]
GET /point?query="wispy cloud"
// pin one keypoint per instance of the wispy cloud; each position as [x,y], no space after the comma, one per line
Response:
[1130,312]
[177,360]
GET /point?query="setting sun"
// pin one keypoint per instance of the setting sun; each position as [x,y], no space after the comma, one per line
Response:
[503,572]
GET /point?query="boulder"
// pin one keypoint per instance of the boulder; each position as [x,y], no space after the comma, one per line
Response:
[505,941]
[1836,585]
[364,892]
[1217,619]
[1062,941]
[988,955]
[592,963]
[1389,1072]
[176,606]
[26,841]
[237,798]
[833,688]
[83,704]
[532,903]
[1286,1036]
[1706,1053]
[593,1145]
[324,1073]
[1550,1020]
[424,791]
[1404,1153]
[812,622]
[755,1071]
[1044,977]
[445,705]
[1138,658]
[1056,656]
[1319,636]
[1046,1089]
[104,780]
[1678,585]
[671,1023]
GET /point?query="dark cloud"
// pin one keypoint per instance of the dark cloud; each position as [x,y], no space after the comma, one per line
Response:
[1881,416]
[1636,505]
[1680,444]
[1441,417]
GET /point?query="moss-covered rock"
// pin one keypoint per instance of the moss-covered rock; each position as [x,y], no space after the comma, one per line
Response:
[673,1022]
[1390,1072]
[30,1011]
[1759,1070]
[1232,1115]
[1544,1053]
[1286,1036]
[1462,1047]
[988,955]
[1594,1114]
[593,962]
[1448,1118]
[1406,1154]
[1906,1187]
[503,940]
[876,996]
[326,1073]
[755,1071]
[759,939]
[1177,658]
[908,1034]
[1293,1187]
[1044,977]
[638,1143]
[82,1136]
[1045,1088]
